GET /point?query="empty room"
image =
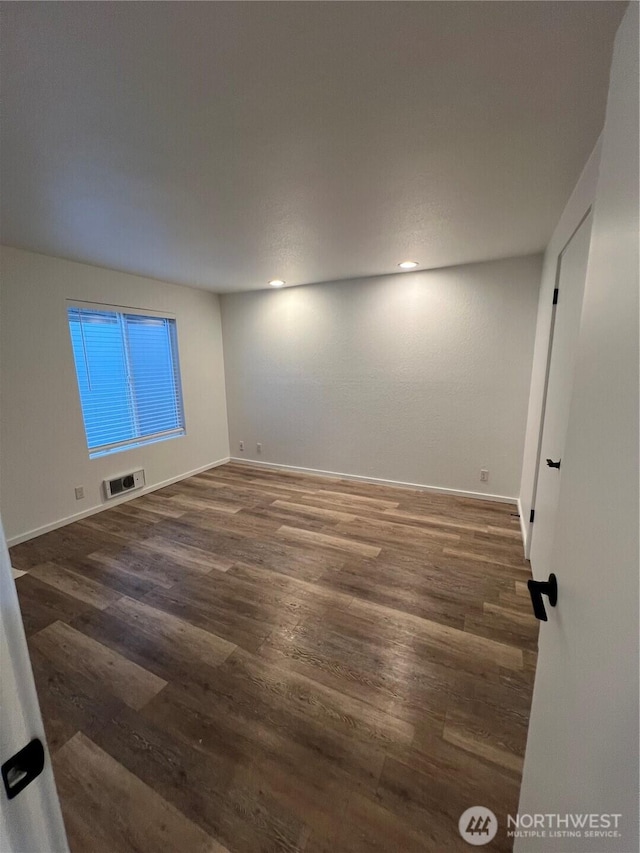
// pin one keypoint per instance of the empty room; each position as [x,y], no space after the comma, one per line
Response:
[319,391]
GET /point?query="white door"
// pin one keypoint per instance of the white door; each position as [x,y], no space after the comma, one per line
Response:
[565,328]
[581,762]
[30,818]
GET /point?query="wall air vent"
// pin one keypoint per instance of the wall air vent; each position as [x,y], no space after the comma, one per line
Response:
[126,483]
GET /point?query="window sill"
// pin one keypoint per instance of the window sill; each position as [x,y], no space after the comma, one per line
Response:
[154,439]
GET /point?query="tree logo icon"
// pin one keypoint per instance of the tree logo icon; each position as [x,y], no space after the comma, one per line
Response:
[478,825]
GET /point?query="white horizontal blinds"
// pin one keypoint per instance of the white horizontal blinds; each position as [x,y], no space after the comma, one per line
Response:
[102,376]
[128,376]
[153,366]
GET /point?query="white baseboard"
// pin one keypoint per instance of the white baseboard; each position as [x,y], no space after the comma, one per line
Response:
[62,522]
[47,528]
[396,483]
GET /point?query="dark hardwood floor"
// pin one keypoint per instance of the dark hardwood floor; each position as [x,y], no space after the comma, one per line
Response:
[255,660]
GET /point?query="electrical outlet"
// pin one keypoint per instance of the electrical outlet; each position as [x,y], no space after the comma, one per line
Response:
[79,493]
[242,445]
[259,447]
[484,475]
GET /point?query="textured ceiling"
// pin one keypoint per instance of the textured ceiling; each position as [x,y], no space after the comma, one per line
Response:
[224,144]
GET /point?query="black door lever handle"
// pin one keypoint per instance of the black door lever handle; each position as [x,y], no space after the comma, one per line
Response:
[553,464]
[539,588]
[22,768]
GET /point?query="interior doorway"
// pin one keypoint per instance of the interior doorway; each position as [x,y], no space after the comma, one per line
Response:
[563,342]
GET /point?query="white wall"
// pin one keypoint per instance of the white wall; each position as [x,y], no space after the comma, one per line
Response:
[582,750]
[420,377]
[43,450]
[578,204]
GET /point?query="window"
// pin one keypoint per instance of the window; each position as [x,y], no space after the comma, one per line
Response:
[128,377]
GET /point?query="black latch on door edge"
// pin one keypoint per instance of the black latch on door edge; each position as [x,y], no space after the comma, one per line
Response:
[22,768]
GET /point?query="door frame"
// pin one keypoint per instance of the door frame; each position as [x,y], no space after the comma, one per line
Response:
[534,492]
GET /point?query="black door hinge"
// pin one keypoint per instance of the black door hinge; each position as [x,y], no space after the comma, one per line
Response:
[532,515]
[555,296]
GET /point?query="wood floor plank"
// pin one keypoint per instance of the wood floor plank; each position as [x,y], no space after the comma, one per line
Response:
[523,618]
[126,680]
[490,721]
[114,567]
[282,484]
[171,661]
[315,511]
[202,504]
[234,490]
[358,500]
[246,523]
[240,480]
[477,556]
[279,515]
[302,765]
[467,778]
[365,826]
[384,530]
[129,511]
[433,521]
[69,700]
[295,559]
[429,804]
[267,600]
[41,604]
[75,585]
[460,648]
[508,533]
[504,626]
[259,660]
[331,708]
[159,504]
[246,631]
[69,541]
[515,602]
[107,808]
[164,628]
[185,556]
[112,528]
[238,812]
[421,595]
[341,543]
[338,661]
[467,737]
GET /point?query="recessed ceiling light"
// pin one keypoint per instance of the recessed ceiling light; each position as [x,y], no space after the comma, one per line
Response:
[408,265]
[276,282]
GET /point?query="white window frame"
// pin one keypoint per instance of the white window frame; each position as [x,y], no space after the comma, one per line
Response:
[129,444]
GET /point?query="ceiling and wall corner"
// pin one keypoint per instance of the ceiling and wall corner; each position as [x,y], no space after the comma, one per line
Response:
[221,145]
